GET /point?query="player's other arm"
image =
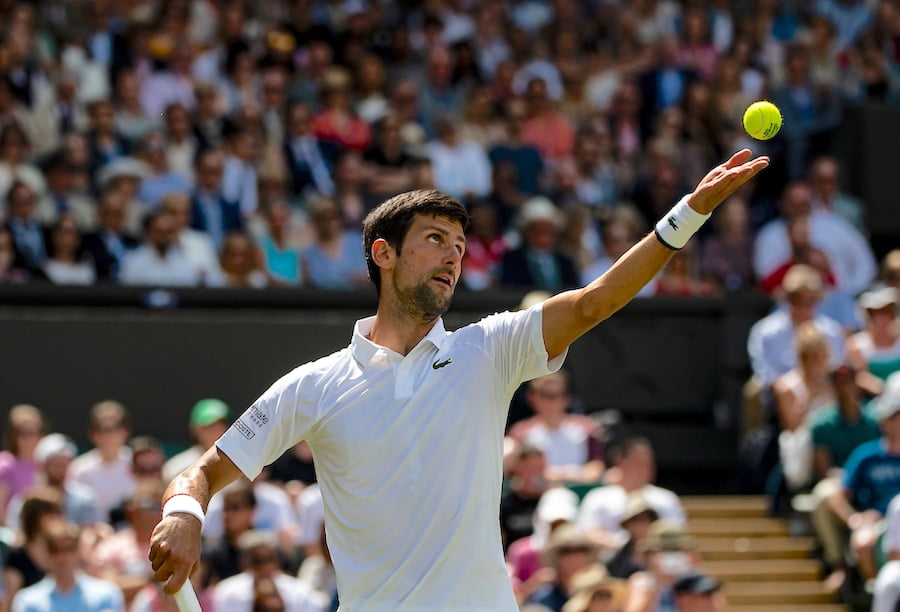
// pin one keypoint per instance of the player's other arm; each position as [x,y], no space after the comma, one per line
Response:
[568,315]
[175,543]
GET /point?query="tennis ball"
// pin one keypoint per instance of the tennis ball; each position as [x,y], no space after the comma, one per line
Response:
[762,120]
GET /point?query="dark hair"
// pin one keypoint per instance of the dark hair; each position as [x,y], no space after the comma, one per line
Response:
[623,448]
[242,491]
[392,219]
[108,410]
[143,444]
[38,504]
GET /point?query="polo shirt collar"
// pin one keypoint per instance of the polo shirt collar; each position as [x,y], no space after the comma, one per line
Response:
[364,350]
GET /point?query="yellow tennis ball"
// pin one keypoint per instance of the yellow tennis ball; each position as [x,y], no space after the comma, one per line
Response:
[762,120]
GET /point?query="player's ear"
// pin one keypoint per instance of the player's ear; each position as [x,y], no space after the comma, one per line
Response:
[383,254]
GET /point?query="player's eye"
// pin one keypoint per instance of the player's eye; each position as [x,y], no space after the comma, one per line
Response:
[436,238]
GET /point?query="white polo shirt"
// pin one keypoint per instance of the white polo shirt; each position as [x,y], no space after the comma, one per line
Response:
[408,452]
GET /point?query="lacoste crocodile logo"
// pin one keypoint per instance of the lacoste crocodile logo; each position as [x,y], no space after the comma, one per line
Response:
[673,224]
[437,365]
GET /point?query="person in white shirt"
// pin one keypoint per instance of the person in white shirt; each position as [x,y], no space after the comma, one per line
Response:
[406,423]
[260,557]
[461,167]
[197,246]
[633,472]
[159,261]
[887,584]
[106,468]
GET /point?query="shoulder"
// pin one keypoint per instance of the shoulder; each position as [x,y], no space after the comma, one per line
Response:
[601,495]
[773,323]
[96,584]
[866,451]
[828,326]
[655,494]
[824,419]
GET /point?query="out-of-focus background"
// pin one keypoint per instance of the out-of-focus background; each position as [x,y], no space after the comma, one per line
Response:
[182,186]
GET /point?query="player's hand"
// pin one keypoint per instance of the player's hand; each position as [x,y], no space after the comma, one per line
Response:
[724,180]
[175,550]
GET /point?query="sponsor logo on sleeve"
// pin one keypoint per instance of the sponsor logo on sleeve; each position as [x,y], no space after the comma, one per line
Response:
[244,430]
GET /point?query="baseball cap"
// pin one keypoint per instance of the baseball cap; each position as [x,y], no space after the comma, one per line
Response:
[208,411]
[557,504]
[53,445]
[695,583]
[888,403]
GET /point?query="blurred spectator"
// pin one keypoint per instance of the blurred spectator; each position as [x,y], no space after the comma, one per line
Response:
[336,122]
[15,165]
[557,507]
[108,245]
[209,419]
[196,245]
[726,256]
[671,555]
[62,197]
[697,592]
[18,466]
[438,94]
[125,174]
[311,517]
[55,453]
[9,273]
[593,590]
[221,556]
[485,247]
[871,481]
[182,144]
[537,264]
[571,443]
[65,264]
[631,558]
[479,125]
[294,466]
[66,585]
[824,179]
[333,260]
[512,150]
[279,251]
[29,237]
[240,262]
[620,231]
[105,144]
[259,554]
[160,181]
[837,430]
[771,340]
[372,105]
[890,269]
[309,159]
[600,177]
[130,119]
[106,469]
[159,260]
[23,564]
[887,586]
[546,128]
[849,18]
[810,113]
[212,211]
[666,84]
[681,276]
[875,351]
[799,395]
[568,552]
[170,82]
[520,500]
[633,470]
[123,557]
[461,167]
[317,570]
[391,167]
[350,187]
[239,182]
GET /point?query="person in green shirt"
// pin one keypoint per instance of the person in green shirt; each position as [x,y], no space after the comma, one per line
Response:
[836,432]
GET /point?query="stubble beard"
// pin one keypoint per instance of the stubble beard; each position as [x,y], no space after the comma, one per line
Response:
[421,302]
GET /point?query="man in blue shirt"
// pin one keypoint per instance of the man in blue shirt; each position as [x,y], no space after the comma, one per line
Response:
[66,588]
[871,480]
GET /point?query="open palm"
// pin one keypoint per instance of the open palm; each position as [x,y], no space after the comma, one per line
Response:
[724,180]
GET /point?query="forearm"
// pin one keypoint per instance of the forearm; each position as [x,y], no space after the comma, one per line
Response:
[208,475]
[841,507]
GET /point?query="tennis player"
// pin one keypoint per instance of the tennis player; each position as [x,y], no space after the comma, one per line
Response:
[406,423]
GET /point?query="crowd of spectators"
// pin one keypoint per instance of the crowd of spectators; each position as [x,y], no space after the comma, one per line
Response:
[229,143]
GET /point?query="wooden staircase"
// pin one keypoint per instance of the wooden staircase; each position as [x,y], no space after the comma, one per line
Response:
[762,567]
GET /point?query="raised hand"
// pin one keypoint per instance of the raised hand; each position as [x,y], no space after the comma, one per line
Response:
[724,180]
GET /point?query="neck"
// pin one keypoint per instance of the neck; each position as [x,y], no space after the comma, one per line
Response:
[553,421]
[65,581]
[629,484]
[882,337]
[893,444]
[109,455]
[397,331]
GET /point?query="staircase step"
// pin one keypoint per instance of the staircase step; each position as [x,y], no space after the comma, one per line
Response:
[737,527]
[792,608]
[725,506]
[767,594]
[764,569]
[736,548]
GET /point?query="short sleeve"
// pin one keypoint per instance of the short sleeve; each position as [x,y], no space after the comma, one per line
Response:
[282,416]
[515,343]
[853,470]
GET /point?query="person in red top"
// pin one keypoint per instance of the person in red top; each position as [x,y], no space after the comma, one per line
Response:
[802,251]
[546,129]
[485,248]
[336,122]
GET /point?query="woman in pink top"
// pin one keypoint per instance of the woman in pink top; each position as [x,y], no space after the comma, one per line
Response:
[18,469]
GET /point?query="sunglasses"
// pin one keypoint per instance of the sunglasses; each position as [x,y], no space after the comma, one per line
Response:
[257,560]
[147,470]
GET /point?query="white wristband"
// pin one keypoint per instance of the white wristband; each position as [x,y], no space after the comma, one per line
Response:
[184,504]
[679,224]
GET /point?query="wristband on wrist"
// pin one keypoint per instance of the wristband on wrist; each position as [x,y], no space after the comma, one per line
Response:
[182,503]
[679,224]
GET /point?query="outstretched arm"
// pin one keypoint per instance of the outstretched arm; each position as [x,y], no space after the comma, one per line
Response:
[569,315]
[175,543]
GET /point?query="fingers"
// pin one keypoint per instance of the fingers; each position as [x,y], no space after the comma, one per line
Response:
[738,158]
[182,573]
